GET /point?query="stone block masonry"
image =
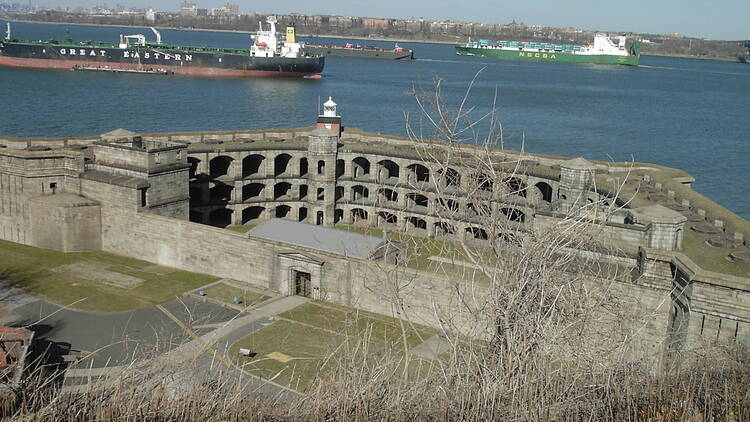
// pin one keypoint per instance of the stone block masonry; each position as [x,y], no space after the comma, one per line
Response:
[155,197]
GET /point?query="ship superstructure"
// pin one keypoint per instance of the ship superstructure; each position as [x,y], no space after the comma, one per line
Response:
[604,50]
[266,56]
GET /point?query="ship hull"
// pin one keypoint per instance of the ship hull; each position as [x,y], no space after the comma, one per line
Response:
[359,53]
[179,62]
[559,57]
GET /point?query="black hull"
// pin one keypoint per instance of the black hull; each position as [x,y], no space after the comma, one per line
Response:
[179,61]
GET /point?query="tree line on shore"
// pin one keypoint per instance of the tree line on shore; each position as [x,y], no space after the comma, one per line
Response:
[402,29]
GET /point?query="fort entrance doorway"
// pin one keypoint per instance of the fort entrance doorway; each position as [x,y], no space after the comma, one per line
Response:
[302,283]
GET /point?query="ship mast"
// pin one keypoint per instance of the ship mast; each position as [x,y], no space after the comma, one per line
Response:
[158,35]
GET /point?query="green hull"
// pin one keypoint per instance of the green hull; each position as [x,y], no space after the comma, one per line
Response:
[630,60]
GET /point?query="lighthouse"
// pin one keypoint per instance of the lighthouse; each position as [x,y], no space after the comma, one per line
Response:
[330,119]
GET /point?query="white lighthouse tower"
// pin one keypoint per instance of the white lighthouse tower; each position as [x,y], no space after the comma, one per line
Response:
[330,119]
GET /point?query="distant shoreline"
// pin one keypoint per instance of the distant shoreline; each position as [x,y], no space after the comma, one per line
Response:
[235,31]
[677,56]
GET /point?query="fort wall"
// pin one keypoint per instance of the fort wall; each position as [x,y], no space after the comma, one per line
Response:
[154,197]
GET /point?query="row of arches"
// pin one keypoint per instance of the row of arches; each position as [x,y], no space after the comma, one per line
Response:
[254,165]
[388,170]
[223,217]
[440,228]
[222,193]
[511,214]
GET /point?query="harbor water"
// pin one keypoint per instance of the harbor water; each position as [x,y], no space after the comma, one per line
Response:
[689,114]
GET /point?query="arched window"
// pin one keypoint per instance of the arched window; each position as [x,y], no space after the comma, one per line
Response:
[281,164]
[419,173]
[219,166]
[252,165]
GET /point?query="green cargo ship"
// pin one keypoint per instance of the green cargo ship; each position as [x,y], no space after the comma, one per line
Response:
[604,50]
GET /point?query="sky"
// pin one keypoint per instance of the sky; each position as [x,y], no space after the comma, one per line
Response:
[717,19]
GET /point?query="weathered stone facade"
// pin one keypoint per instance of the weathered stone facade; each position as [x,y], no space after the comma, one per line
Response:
[154,197]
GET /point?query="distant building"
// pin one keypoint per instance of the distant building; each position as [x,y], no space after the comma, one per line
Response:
[375,23]
[226,10]
[188,9]
[150,15]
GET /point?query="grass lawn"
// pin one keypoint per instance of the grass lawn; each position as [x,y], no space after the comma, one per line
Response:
[313,336]
[225,292]
[241,229]
[420,249]
[89,280]
[711,258]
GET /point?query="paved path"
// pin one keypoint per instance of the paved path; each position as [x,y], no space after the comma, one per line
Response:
[197,358]
[116,338]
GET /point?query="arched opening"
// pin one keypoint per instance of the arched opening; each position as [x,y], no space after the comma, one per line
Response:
[447,204]
[516,186]
[416,200]
[340,167]
[252,190]
[387,169]
[303,165]
[513,214]
[302,192]
[220,193]
[339,193]
[483,181]
[451,177]
[281,164]
[220,218]
[419,173]
[388,194]
[252,165]
[477,233]
[321,166]
[319,218]
[252,213]
[360,192]
[282,191]
[338,215]
[360,167]
[321,195]
[444,229]
[219,166]
[387,218]
[282,211]
[545,191]
[479,209]
[359,214]
[302,214]
[193,171]
[417,223]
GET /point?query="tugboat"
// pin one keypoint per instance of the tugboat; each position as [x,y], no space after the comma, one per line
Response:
[268,55]
[604,50]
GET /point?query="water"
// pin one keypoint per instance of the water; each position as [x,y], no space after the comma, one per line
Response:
[688,114]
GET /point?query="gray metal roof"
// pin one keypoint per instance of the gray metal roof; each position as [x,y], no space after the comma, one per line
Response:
[325,239]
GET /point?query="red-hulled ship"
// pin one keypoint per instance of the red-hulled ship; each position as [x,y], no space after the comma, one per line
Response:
[267,56]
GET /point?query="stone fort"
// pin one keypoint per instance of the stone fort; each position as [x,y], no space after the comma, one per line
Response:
[167,198]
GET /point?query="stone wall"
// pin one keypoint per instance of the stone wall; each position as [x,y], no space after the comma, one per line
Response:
[65,222]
